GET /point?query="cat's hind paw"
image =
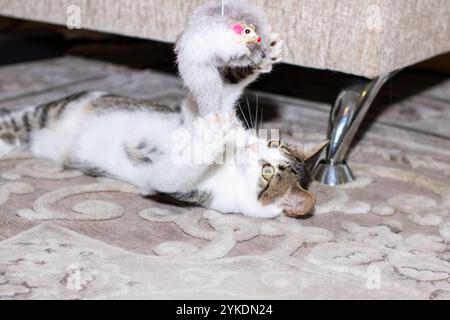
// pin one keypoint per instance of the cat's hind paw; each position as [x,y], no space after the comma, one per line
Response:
[141,153]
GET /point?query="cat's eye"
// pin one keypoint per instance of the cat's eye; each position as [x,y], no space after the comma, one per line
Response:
[247,31]
[274,144]
[268,172]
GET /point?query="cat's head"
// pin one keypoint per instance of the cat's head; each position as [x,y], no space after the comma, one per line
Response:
[283,182]
[270,182]
[284,177]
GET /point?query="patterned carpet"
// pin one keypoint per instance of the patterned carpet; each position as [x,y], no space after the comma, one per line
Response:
[68,236]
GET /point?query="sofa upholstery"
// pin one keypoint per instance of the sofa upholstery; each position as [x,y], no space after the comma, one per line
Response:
[361,37]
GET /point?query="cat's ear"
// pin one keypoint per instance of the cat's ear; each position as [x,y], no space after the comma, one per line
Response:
[311,156]
[299,202]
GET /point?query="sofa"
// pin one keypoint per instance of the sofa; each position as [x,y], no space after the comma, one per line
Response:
[373,39]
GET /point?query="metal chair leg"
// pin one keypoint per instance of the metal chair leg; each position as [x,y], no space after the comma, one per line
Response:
[346,116]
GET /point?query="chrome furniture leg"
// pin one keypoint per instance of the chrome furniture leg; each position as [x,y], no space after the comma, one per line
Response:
[346,116]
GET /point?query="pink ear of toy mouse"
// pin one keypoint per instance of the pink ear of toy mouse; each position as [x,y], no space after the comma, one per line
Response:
[238,28]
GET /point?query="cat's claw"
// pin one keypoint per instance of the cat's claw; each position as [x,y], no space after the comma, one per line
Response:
[274,54]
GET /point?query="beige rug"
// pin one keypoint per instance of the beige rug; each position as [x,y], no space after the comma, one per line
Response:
[68,236]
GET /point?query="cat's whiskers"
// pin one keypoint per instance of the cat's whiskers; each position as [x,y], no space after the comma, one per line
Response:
[256,115]
[261,119]
[243,115]
[249,114]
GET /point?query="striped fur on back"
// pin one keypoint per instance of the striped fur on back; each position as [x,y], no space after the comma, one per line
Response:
[15,127]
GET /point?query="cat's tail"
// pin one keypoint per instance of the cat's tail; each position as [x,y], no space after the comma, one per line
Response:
[16,127]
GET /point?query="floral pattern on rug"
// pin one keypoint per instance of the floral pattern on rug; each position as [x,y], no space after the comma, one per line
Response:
[386,235]
[384,247]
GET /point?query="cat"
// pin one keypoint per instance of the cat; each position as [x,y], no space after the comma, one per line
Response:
[189,154]
[229,52]
[156,148]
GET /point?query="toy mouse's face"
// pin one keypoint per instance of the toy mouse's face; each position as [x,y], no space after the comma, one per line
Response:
[247,33]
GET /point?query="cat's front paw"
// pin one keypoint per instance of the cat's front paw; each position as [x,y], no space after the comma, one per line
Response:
[273,55]
[216,126]
[212,134]
[223,122]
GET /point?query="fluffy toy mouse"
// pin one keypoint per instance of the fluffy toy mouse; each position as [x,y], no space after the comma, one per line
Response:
[218,55]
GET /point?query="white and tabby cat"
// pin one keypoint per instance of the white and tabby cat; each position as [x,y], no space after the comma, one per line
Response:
[173,152]
[145,144]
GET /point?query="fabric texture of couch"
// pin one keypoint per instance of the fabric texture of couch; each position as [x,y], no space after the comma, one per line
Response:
[362,37]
